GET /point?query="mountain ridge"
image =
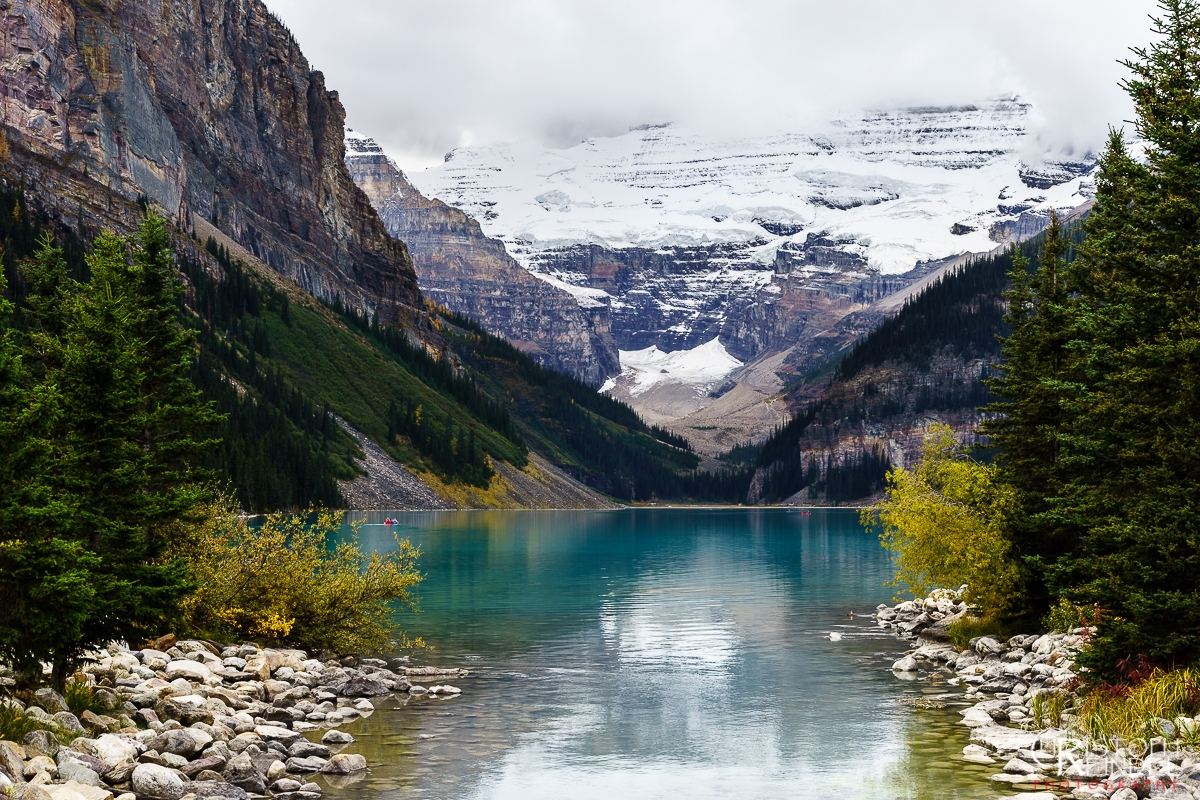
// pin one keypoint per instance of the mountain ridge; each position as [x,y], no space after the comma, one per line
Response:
[470,273]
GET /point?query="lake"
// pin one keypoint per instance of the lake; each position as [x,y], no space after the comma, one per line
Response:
[657,653]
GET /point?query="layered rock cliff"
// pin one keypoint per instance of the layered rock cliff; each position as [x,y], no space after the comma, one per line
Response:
[468,272]
[202,107]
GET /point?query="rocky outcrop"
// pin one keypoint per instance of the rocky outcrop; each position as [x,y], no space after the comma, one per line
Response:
[202,107]
[675,298]
[470,273]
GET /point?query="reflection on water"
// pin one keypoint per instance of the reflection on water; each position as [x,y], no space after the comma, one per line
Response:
[656,653]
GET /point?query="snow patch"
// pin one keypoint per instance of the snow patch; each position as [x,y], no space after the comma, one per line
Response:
[701,367]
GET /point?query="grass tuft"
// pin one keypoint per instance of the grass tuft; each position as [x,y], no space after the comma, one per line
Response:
[81,697]
[962,631]
[15,723]
[1047,709]
[1113,715]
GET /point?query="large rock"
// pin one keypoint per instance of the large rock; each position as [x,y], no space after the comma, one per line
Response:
[363,687]
[189,670]
[258,667]
[41,742]
[180,742]
[216,763]
[303,748]
[40,764]
[337,738]
[50,700]
[977,717]
[997,685]
[187,709]
[72,770]
[310,764]
[988,645]
[155,659]
[1089,768]
[152,780]
[73,789]
[344,764]
[12,758]
[906,664]
[1003,739]
[68,722]
[110,748]
[33,791]
[273,733]
[241,772]
[217,789]
[89,761]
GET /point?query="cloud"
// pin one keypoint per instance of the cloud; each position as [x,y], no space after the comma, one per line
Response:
[426,77]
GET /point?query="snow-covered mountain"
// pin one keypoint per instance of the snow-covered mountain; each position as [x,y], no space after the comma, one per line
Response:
[761,243]
[898,188]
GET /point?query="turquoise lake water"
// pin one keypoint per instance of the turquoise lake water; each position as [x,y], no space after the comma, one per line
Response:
[656,654]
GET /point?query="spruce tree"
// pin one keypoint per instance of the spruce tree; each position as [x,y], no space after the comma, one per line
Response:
[1033,388]
[119,455]
[46,594]
[1130,446]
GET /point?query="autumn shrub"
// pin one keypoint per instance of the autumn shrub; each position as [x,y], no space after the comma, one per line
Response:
[285,580]
[941,521]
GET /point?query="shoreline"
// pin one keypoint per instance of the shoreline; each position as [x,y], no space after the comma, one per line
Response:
[593,510]
[1020,719]
[190,721]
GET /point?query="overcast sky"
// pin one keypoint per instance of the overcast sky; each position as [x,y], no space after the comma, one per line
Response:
[425,76]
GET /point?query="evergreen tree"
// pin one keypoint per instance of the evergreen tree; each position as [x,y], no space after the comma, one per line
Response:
[118,454]
[46,593]
[1128,448]
[1033,385]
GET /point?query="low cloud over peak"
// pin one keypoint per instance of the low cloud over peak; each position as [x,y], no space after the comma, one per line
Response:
[424,78]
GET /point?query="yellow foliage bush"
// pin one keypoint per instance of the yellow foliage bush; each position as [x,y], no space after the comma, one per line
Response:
[282,580]
[942,522]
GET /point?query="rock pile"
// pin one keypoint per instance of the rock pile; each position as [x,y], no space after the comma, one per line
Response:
[193,722]
[1021,719]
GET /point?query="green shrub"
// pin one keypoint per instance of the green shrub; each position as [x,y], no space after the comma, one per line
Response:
[962,631]
[1066,616]
[281,580]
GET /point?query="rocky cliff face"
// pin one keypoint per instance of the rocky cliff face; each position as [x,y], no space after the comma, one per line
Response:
[204,107]
[460,267]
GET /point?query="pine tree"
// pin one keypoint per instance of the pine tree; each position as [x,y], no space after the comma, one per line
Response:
[1129,449]
[1033,388]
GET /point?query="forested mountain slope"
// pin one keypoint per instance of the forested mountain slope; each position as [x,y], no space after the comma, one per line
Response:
[308,314]
[869,409]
